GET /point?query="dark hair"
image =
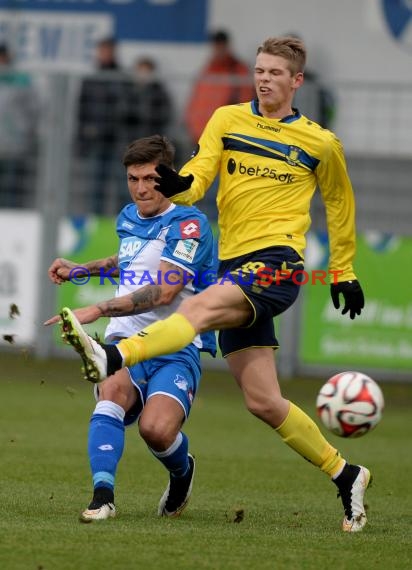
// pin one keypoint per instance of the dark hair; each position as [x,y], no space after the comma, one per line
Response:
[107,42]
[147,62]
[157,149]
[219,36]
[4,50]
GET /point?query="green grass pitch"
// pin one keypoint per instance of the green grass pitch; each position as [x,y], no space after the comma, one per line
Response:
[291,514]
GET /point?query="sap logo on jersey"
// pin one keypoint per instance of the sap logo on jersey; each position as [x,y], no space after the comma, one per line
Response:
[129,248]
[186,249]
[190,229]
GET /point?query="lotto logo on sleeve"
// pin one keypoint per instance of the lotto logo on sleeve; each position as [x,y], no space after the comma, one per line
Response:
[190,229]
[186,249]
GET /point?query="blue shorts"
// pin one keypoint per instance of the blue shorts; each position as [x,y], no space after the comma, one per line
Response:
[267,281]
[175,375]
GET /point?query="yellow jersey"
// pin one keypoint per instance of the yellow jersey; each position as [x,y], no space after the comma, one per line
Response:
[268,172]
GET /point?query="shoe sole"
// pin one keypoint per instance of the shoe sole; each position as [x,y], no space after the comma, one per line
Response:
[71,335]
[162,512]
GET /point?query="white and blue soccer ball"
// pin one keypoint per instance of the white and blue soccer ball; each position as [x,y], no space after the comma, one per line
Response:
[350,404]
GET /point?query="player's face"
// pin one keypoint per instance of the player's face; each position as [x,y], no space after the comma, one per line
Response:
[275,85]
[141,182]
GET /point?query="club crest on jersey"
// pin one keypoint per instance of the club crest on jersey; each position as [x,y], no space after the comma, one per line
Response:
[293,155]
[190,229]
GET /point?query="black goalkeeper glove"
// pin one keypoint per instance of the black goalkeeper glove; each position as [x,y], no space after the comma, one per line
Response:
[352,294]
[170,182]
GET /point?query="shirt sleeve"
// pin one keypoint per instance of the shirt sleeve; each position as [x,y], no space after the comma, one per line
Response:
[337,195]
[205,161]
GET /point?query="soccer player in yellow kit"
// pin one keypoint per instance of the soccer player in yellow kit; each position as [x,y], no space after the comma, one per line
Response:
[269,159]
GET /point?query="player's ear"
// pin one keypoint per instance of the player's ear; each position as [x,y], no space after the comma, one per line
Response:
[298,80]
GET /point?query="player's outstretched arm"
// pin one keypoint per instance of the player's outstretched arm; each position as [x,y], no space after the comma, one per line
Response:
[61,269]
[172,280]
[85,315]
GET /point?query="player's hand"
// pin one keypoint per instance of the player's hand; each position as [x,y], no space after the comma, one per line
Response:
[59,270]
[170,182]
[352,295]
[85,315]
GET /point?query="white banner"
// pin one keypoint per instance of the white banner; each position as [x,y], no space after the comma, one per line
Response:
[19,276]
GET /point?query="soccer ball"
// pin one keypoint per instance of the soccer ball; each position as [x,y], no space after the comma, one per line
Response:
[350,404]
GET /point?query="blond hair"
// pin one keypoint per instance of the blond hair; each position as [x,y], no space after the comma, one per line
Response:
[290,48]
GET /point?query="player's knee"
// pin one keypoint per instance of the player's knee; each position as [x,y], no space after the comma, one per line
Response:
[271,409]
[157,434]
[113,390]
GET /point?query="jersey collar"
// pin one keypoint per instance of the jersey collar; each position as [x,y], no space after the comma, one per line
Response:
[288,119]
[169,209]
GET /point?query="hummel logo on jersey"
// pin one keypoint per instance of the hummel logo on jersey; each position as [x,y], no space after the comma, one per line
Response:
[268,127]
[190,229]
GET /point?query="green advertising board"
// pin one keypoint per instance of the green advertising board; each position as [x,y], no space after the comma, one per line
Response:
[82,239]
[382,336]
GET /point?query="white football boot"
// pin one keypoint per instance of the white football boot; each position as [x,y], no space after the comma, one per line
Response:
[352,487]
[100,513]
[93,355]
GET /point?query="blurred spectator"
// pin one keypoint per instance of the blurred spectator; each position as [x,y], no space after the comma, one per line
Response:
[224,80]
[148,105]
[314,99]
[100,114]
[19,112]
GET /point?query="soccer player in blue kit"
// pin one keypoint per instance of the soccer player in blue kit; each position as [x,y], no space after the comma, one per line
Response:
[165,256]
[270,159]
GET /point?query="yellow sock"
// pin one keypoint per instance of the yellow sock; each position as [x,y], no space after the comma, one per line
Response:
[301,433]
[162,337]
